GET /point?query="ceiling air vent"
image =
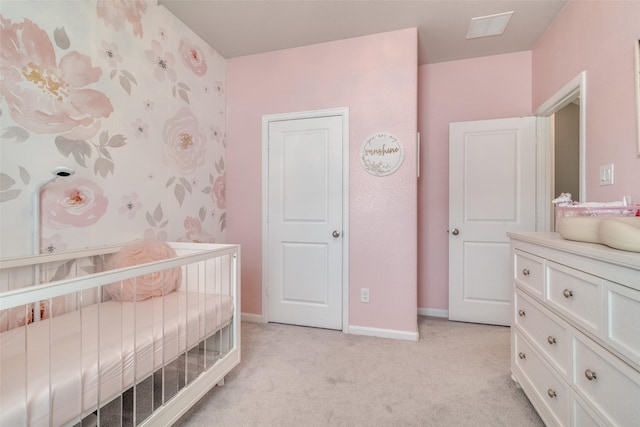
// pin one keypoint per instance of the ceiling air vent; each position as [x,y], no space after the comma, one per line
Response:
[490,25]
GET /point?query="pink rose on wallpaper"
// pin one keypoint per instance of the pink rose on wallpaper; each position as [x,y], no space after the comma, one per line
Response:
[194,232]
[193,57]
[44,96]
[163,62]
[80,203]
[184,142]
[118,12]
[219,192]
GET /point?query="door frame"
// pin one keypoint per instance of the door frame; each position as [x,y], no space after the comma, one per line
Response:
[266,119]
[575,88]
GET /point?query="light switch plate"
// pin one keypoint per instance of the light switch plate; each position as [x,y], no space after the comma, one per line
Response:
[606,174]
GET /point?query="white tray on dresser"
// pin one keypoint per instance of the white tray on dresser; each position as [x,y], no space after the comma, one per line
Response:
[575,330]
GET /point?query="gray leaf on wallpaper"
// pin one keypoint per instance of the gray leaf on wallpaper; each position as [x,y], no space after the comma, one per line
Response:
[79,149]
[63,271]
[105,153]
[184,95]
[113,73]
[15,132]
[97,264]
[223,221]
[117,141]
[206,190]
[164,224]
[180,193]
[129,76]
[202,214]
[173,178]
[126,84]
[150,220]
[62,40]
[6,182]
[103,167]
[24,175]
[186,184]
[219,168]
[157,213]
[5,196]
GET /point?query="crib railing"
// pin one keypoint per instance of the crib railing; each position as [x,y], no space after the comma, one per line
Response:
[91,359]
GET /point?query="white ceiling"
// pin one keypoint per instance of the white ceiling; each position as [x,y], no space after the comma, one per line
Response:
[242,27]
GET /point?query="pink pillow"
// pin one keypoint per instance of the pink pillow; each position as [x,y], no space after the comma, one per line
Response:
[149,285]
[19,316]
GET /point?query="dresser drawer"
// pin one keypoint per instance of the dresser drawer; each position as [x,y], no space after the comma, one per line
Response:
[582,416]
[550,390]
[612,387]
[547,333]
[622,320]
[528,272]
[576,295]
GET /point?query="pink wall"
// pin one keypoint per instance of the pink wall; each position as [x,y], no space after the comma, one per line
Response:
[474,89]
[598,37]
[376,77]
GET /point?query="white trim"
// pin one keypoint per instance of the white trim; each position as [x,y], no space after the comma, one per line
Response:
[636,48]
[383,333]
[545,174]
[266,119]
[250,317]
[577,87]
[433,312]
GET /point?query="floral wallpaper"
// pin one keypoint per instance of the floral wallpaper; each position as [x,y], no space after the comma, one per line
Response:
[124,94]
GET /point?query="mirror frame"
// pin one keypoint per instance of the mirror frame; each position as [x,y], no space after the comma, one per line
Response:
[576,88]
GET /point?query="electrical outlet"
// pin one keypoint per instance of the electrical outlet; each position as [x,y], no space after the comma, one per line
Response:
[364,295]
[606,174]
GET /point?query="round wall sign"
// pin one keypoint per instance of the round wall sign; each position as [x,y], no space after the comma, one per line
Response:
[381,154]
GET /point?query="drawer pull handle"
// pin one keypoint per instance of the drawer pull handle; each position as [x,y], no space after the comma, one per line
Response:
[551,340]
[567,293]
[551,393]
[521,313]
[525,272]
[521,355]
[590,375]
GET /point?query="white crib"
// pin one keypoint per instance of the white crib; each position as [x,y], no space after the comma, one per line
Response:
[94,360]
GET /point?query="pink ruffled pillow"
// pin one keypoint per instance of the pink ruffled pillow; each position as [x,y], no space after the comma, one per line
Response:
[149,285]
[20,316]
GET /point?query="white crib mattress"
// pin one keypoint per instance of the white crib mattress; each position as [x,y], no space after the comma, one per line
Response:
[160,327]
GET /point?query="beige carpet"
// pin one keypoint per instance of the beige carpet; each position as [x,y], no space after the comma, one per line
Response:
[456,375]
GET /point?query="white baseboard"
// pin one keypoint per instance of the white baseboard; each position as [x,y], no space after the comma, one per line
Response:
[433,312]
[250,317]
[384,333]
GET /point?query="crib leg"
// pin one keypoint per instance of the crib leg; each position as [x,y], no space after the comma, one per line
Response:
[221,382]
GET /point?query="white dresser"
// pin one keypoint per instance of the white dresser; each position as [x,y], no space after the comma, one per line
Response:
[575,330]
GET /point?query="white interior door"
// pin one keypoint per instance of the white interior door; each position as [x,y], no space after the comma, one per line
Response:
[492,167]
[305,221]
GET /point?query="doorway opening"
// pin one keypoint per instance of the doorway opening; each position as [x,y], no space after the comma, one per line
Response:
[570,100]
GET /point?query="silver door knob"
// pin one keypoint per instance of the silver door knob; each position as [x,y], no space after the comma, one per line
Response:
[335,234]
[455,231]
